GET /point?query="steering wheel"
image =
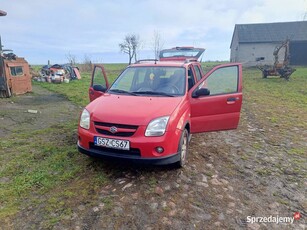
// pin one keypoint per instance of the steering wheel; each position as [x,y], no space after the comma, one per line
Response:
[142,89]
[169,88]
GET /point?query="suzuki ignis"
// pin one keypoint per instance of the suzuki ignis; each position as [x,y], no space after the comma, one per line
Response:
[150,111]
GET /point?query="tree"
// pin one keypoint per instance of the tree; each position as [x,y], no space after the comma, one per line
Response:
[130,46]
[157,43]
[71,58]
[87,63]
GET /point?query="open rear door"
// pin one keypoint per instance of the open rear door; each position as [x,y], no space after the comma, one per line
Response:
[219,110]
[99,82]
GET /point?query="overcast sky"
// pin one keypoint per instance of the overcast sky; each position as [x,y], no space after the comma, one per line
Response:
[42,30]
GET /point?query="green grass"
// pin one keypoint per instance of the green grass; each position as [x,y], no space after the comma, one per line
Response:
[38,162]
[33,164]
[279,101]
[275,90]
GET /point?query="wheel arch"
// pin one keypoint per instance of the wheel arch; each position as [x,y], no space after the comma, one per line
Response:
[187,126]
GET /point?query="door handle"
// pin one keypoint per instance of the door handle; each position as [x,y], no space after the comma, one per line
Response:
[232,100]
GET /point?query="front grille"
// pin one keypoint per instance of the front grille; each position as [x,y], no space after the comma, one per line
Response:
[131,152]
[116,125]
[104,128]
[118,134]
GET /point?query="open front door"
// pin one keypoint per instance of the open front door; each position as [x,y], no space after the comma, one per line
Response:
[99,82]
[219,110]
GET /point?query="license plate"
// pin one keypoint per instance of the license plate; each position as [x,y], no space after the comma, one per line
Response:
[112,143]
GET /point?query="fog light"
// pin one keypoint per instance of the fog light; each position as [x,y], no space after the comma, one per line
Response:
[159,150]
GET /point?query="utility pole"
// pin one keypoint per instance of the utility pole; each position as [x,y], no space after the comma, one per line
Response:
[0,47]
[2,13]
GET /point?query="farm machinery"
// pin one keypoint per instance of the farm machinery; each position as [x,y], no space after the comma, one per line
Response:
[281,69]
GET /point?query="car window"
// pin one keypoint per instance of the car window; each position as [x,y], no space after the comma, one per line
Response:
[98,78]
[191,79]
[198,73]
[222,81]
[167,80]
[126,82]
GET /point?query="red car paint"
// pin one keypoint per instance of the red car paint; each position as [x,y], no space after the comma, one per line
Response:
[128,116]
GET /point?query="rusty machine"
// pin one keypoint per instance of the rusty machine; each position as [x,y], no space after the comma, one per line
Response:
[15,77]
[281,69]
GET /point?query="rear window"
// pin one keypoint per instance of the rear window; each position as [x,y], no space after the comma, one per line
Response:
[188,52]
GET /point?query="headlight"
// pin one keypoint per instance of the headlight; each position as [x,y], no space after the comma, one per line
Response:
[157,127]
[85,119]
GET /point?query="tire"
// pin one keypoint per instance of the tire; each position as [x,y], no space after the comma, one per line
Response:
[183,148]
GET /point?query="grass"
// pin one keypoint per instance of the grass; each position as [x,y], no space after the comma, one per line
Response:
[38,163]
[33,166]
[275,90]
[278,104]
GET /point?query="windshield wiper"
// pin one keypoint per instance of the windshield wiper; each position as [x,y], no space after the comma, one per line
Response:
[154,93]
[122,91]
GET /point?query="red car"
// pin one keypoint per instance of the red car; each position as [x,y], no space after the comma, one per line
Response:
[150,111]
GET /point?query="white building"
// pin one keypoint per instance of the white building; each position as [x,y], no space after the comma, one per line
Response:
[252,43]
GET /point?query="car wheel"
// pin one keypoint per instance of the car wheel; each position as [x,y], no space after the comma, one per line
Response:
[183,148]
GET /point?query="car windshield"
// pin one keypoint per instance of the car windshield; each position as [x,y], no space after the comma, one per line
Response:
[151,80]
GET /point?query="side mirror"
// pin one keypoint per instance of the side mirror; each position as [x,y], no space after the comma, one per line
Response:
[201,92]
[99,88]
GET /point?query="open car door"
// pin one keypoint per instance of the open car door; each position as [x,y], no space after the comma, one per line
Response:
[216,99]
[99,82]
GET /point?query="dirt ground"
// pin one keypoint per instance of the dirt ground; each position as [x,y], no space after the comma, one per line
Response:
[37,110]
[230,175]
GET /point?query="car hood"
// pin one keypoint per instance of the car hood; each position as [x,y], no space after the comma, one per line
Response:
[134,110]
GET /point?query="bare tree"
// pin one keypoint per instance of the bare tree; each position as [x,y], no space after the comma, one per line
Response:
[71,58]
[87,63]
[130,46]
[157,43]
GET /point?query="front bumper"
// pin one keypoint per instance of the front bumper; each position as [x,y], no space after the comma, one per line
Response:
[169,159]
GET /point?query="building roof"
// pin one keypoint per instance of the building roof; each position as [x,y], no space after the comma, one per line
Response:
[271,32]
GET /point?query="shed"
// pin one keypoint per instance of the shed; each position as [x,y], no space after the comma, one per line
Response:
[252,43]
